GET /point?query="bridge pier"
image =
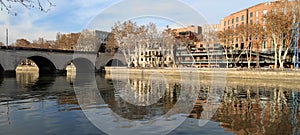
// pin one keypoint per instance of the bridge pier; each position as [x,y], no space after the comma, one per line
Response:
[58,71]
[8,73]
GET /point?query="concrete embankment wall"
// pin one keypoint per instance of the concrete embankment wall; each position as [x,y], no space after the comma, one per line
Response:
[231,73]
[258,78]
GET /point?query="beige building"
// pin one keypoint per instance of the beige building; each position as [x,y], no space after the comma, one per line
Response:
[206,28]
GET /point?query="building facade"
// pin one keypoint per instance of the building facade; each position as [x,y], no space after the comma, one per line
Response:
[249,16]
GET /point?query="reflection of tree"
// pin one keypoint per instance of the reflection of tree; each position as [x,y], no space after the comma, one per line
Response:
[245,110]
[142,92]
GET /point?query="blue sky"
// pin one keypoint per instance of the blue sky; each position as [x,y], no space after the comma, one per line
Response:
[76,15]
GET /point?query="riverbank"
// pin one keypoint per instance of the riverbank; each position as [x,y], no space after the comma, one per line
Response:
[263,74]
[231,77]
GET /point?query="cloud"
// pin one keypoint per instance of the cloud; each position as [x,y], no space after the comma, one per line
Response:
[65,17]
[76,15]
[173,11]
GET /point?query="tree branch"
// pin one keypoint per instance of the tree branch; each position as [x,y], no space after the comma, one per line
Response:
[29,4]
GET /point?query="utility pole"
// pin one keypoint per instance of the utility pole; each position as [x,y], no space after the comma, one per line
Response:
[6,37]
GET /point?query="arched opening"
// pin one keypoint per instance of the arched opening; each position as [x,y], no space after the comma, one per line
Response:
[115,63]
[29,73]
[83,65]
[1,69]
[45,66]
[71,72]
[27,65]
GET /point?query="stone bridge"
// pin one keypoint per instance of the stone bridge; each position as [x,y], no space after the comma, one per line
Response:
[49,61]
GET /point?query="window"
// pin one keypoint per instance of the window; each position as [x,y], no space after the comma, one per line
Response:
[251,21]
[243,17]
[232,21]
[265,12]
[251,14]
[228,22]
[284,10]
[237,25]
[256,13]
[264,45]
[237,19]
[224,23]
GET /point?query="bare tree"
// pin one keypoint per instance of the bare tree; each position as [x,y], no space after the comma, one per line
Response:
[29,4]
[279,24]
[233,54]
[225,38]
[88,41]
[124,38]
[257,33]
[141,43]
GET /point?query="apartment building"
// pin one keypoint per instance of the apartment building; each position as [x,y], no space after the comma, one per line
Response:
[252,15]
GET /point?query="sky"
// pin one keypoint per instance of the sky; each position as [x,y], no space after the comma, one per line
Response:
[74,16]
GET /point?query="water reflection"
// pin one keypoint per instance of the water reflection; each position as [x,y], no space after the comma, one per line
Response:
[33,104]
[145,99]
[248,110]
[27,79]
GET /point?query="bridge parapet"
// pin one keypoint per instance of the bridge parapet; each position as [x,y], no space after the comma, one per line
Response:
[54,61]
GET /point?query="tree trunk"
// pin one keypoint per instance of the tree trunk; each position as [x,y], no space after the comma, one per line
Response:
[279,57]
[250,58]
[275,49]
[257,60]
[226,55]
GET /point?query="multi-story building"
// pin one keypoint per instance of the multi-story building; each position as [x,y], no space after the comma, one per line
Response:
[190,28]
[239,28]
[152,55]
[252,15]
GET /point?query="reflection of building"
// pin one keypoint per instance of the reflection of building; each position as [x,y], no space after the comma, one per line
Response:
[141,98]
[254,111]
[26,79]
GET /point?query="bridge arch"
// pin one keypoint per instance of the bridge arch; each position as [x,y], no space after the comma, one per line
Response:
[114,62]
[1,69]
[83,65]
[45,65]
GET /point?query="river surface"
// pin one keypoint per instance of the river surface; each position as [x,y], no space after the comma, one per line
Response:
[34,104]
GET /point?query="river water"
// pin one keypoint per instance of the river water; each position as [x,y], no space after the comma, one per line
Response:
[34,104]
